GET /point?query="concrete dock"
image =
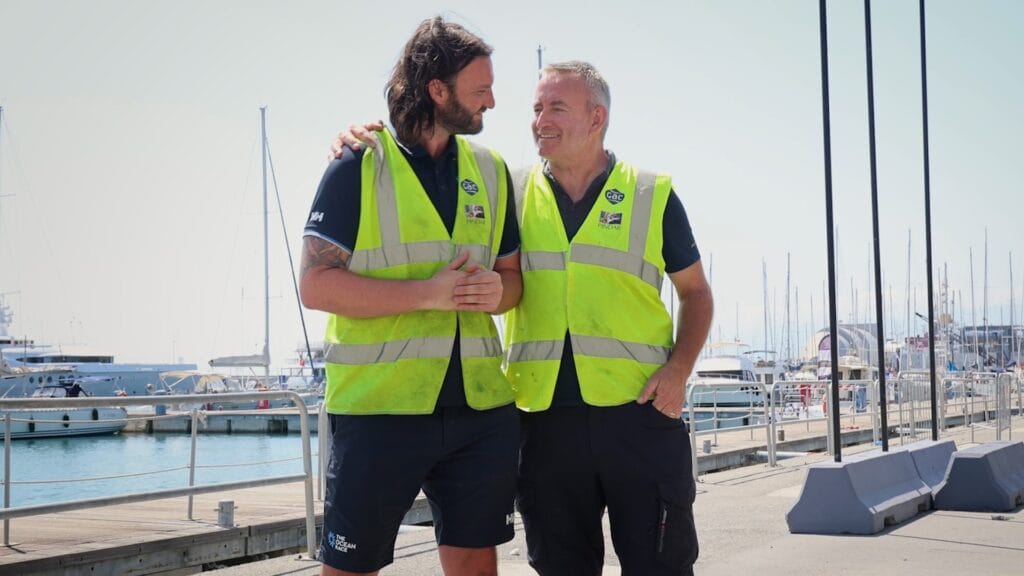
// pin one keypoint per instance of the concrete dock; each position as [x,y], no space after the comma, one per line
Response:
[740,516]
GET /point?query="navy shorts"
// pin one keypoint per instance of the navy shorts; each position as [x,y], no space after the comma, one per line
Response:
[464,460]
[632,460]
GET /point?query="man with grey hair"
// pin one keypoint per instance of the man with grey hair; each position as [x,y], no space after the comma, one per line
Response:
[599,372]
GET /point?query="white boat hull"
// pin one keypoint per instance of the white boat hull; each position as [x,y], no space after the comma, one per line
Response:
[727,396]
[57,422]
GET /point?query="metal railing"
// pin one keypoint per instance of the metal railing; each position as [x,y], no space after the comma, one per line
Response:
[768,425]
[979,400]
[8,512]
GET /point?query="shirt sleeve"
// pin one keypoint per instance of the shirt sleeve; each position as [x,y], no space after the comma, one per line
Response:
[679,249]
[335,213]
[510,235]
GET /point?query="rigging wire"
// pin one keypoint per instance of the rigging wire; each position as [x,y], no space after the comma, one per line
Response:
[291,262]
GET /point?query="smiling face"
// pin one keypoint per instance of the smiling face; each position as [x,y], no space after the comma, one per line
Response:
[567,125]
[460,108]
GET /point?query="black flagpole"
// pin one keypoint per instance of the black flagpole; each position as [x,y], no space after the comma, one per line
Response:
[830,234]
[883,403]
[928,231]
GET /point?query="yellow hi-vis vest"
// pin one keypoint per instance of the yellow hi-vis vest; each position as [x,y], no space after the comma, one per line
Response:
[396,364]
[604,288]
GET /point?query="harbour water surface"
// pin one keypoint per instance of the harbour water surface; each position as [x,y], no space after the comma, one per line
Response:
[60,469]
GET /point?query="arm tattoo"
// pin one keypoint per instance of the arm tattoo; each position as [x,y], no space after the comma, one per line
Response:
[317,252]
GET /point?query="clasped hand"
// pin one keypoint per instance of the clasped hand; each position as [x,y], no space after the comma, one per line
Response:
[464,285]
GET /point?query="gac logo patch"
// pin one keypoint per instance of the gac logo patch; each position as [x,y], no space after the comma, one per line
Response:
[614,196]
[610,218]
[475,212]
[469,186]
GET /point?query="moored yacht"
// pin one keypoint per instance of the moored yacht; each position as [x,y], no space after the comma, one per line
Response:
[26,365]
[725,380]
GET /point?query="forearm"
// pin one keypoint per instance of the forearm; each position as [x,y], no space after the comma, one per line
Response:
[512,290]
[326,284]
[695,314]
[339,291]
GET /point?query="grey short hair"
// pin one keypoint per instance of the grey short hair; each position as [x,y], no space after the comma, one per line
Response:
[596,85]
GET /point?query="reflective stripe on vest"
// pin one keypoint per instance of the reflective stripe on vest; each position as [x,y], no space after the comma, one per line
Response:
[490,173]
[536,260]
[434,347]
[589,346]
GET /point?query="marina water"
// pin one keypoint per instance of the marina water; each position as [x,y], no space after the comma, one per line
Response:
[49,470]
[59,469]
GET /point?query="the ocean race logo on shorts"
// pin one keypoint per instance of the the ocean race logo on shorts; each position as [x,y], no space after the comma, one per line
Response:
[475,212]
[614,196]
[338,543]
[610,219]
[469,186]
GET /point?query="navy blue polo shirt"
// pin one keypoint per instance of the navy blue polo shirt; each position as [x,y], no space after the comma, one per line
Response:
[334,217]
[679,250]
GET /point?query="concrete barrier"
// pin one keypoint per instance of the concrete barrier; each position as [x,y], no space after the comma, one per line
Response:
[861,495]
[931,458]
[987,477]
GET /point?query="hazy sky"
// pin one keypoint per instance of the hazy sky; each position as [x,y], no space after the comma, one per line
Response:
[131,217]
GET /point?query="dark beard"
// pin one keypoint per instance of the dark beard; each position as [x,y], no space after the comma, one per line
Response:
[457,119]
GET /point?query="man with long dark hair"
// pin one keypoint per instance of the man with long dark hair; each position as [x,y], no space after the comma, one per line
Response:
[598,368]
[410,246]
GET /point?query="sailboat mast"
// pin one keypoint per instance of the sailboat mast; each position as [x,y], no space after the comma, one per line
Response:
[764,298]
[1013,315]
[796,322]
[974,318]
[984,298]
[789,344]
[910,311]
[266,252]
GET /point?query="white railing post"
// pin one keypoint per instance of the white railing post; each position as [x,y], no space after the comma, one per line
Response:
[873,412]
[750,414]
[7,476]
[323,427]
[770,425]
[693,431]
[974,390]
[192,463]
[829,441]
[714,416]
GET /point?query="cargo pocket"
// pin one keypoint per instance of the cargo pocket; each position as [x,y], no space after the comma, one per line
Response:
[536,543]
[676,544]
